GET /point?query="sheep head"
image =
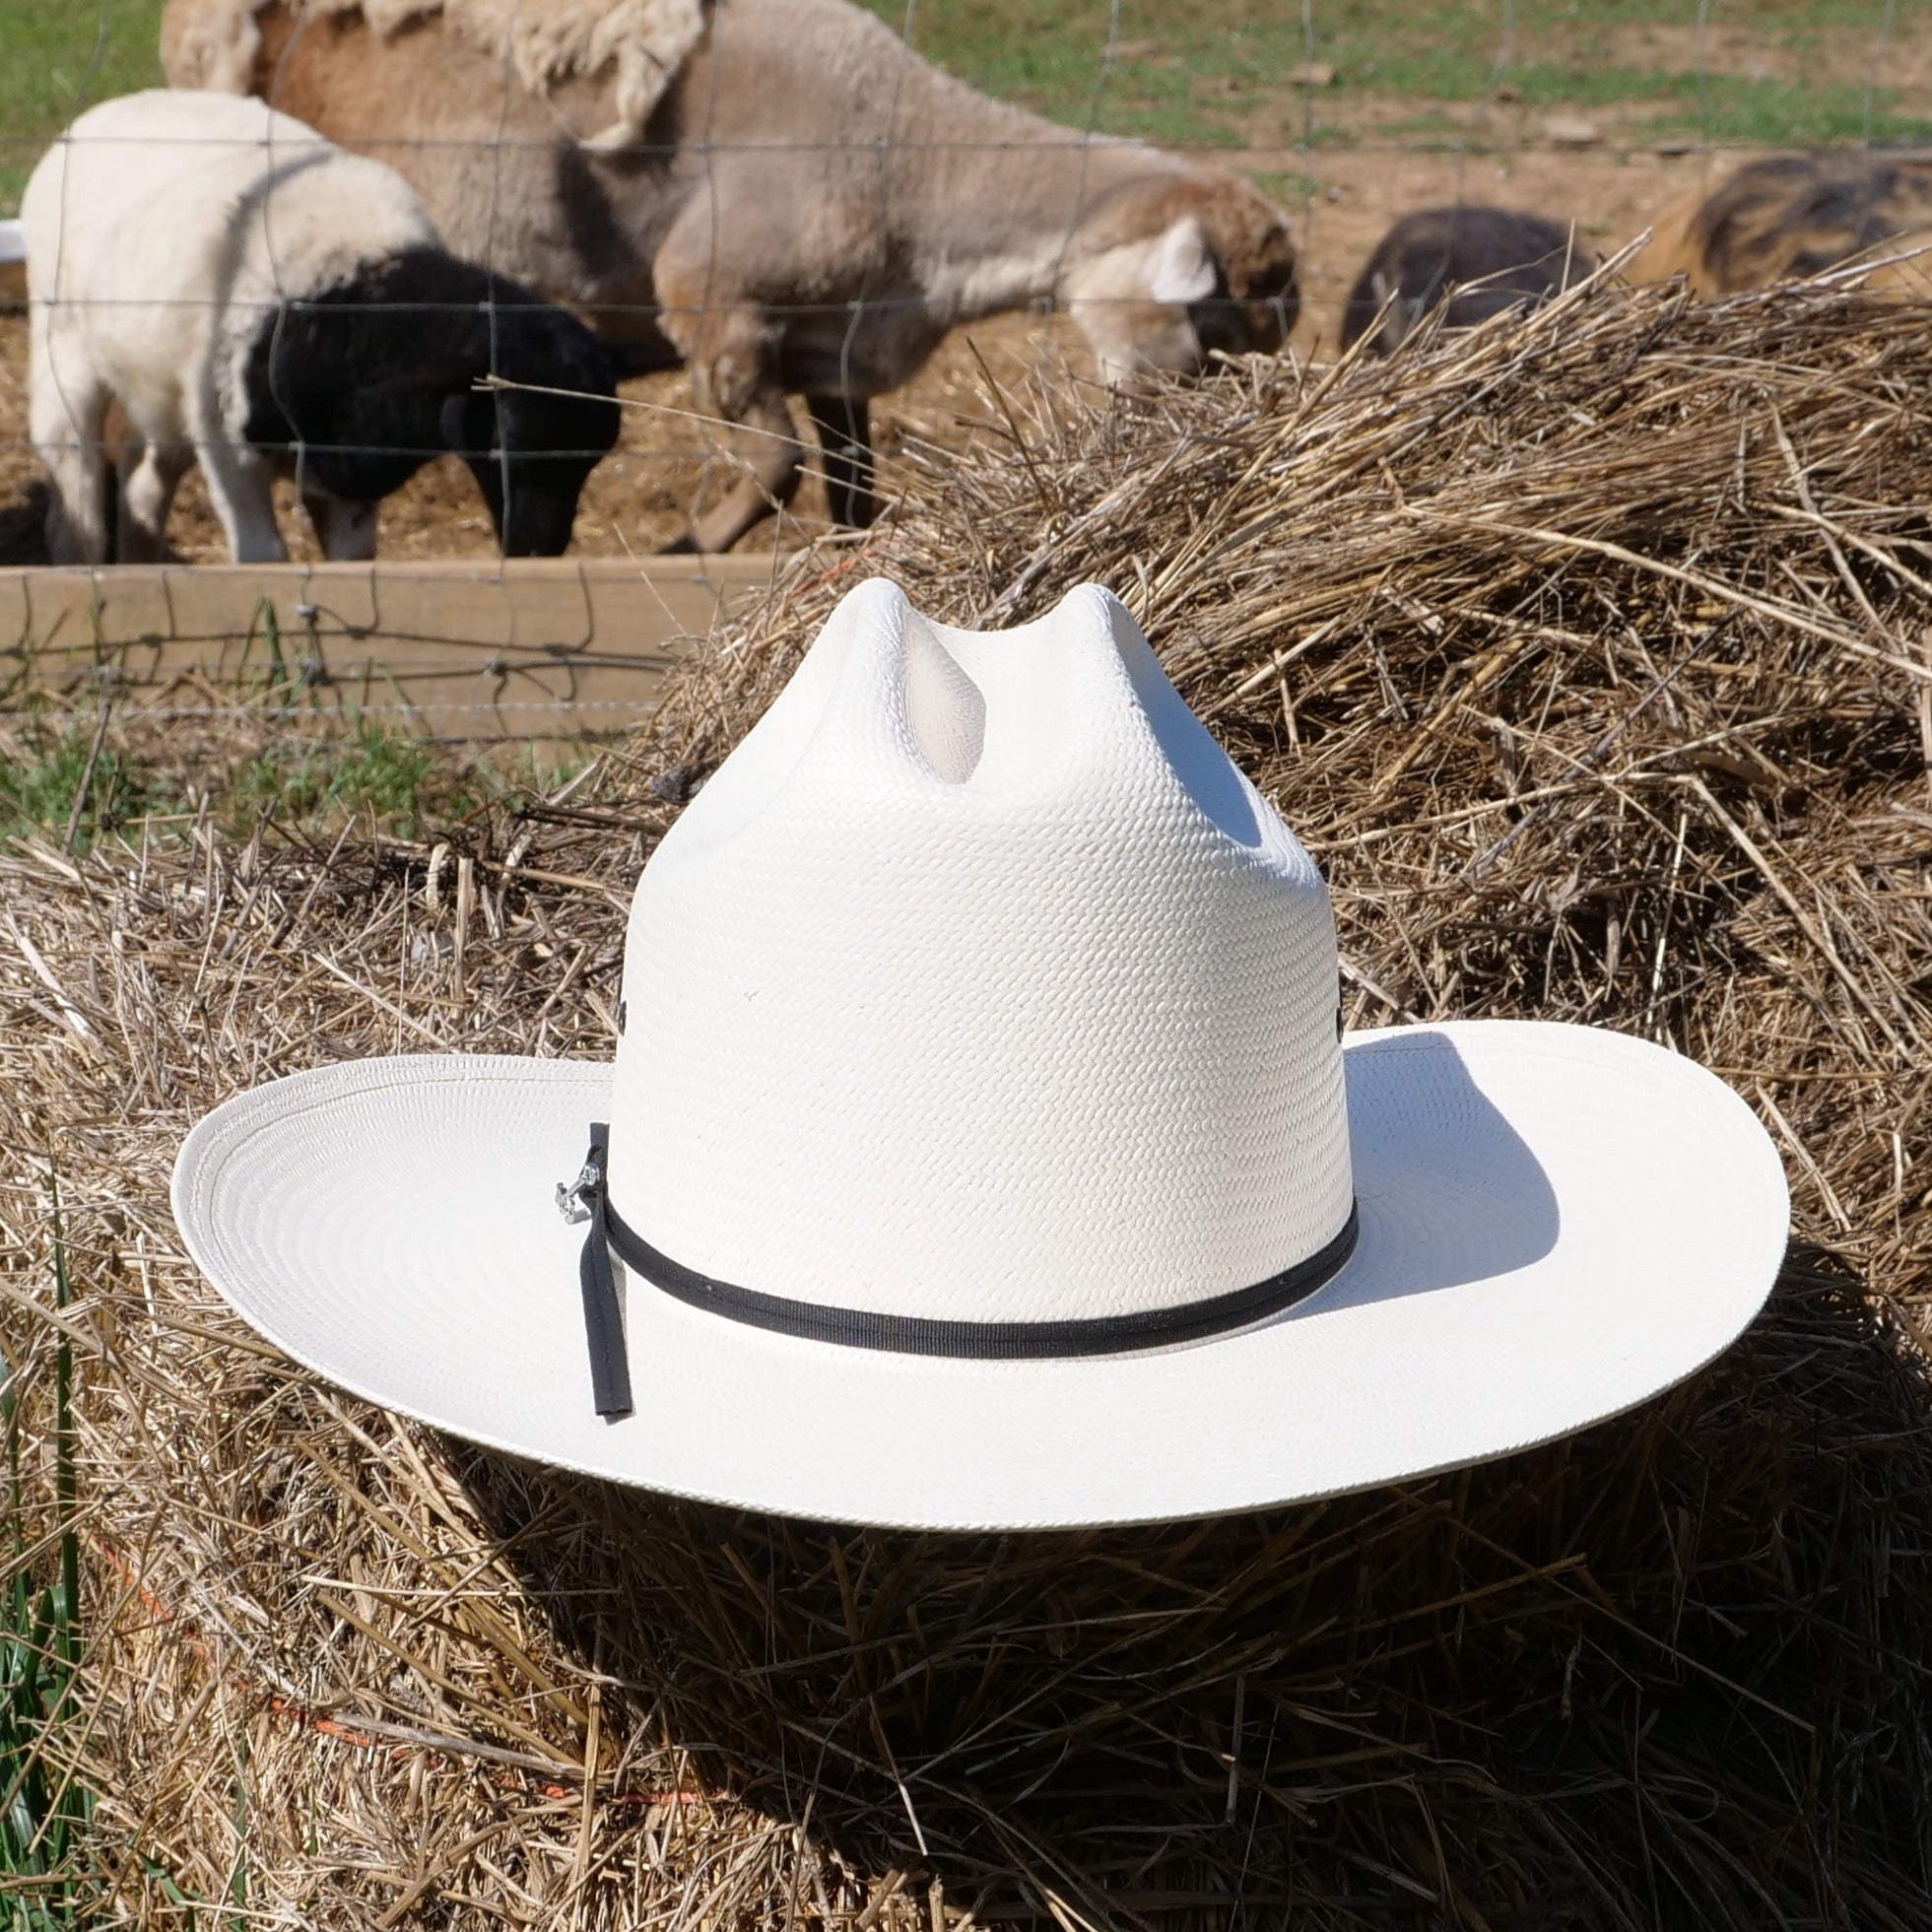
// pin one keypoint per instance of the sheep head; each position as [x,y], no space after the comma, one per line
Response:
[531,454]
[1253,243]
[1784,216]
[1167,272]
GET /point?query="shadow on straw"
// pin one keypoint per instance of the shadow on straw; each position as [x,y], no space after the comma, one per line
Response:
[1618,1664]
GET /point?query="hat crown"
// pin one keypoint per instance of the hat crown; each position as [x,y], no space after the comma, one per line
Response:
[979,985]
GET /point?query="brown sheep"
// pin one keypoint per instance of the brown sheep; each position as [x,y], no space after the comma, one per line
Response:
[1789,217]
[1471,262]
[811,207]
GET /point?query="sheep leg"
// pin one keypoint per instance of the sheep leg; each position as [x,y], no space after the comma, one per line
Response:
[148,486]
[344,530]
[771,456]
[241,487]
[844,427]
[731,347]
[68,413]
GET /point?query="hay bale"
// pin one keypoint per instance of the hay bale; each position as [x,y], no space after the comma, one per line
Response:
[1589,653]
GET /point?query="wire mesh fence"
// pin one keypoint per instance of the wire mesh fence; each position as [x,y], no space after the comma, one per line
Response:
[812,250]
[445,650]
[1562,820]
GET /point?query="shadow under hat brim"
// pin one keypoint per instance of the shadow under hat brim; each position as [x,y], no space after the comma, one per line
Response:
[1556,1225]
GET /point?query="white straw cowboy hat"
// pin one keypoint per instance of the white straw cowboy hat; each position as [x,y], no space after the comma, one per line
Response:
[981,1151]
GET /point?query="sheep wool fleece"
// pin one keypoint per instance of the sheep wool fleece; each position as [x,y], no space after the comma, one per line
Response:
[213,43]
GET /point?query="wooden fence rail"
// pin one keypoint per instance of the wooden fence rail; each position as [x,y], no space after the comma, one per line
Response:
[534,648]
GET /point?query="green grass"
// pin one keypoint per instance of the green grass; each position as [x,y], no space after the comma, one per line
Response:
[1207,71]
[1724,108]
[1777,114]
[57,57]
[62,777]
[397,783]
[43,1810]
[384,780]
[1287,190]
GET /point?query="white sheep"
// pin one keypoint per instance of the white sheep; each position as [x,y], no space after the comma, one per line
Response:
[263,304]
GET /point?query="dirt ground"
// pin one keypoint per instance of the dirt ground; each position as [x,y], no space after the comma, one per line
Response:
[639,498]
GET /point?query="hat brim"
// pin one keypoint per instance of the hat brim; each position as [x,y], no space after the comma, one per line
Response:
[1555,1223]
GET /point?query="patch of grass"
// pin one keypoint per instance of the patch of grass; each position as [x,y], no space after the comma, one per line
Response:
[1204,73]
[1725,110]
[1287,190]
[44,1810]
[396,783]
[310,781]
[535,771]
[1718,107]
[1187,75]
[1777,114]
[58,57]
[60,762]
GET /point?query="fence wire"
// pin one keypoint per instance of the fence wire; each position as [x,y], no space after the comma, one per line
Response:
[1317,127]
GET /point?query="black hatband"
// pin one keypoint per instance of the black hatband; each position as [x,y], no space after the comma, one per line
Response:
[866,1328]
[982,1340]
[603,1319]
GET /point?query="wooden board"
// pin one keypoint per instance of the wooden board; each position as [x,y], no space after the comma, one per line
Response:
[532,648]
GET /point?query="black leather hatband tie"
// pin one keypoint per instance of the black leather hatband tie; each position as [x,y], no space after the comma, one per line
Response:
[866,1328]
[588,1199]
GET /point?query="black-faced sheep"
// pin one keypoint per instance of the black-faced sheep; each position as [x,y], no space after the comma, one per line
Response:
[1791,216]
[263,304]
[1470,262]
[808,209]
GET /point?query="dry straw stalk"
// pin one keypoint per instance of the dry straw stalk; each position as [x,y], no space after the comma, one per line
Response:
[1590,654]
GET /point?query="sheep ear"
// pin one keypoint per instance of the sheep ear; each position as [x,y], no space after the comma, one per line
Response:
[1183,266]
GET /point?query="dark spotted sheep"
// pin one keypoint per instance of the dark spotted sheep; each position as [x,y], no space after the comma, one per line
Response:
[261,302]
[1789,217]
[1471,264]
